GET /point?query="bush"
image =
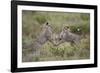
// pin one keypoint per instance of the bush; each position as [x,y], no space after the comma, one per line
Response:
[83,28]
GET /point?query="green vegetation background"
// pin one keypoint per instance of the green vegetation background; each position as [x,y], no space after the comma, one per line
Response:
[32,22]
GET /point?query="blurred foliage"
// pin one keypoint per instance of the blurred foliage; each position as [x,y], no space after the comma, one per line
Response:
[79,23]
[80,29]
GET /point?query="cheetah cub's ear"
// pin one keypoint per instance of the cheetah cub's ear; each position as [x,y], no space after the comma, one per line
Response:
[66,28]
[47,23]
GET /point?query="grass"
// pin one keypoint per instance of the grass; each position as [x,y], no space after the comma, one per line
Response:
[32,22]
